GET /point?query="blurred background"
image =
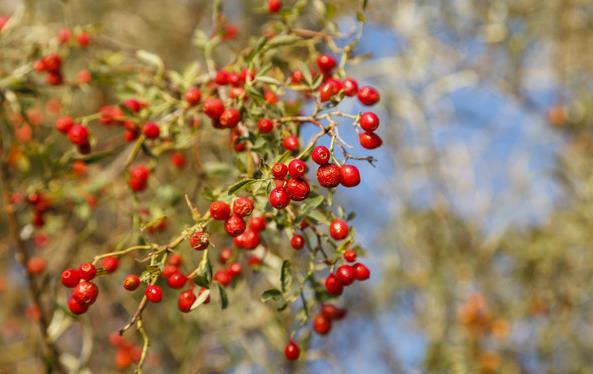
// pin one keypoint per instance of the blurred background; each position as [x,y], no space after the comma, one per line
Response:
[478,215]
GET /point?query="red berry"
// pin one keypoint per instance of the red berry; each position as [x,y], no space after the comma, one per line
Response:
[265,126]
[297,242]
[53,62]
[345,273]
[83,77]
[177,159]
[326,63]
[225,255]
[154,293]
[177,280]
[78,134]
[36,265]
[76,307]
[134,105]
[279,198]
[200,292]
[332,312]
[321,324]
[87,271]
[338,229]
[223,277]
[297,189]
[64,124]
[333,285]
[110,264]
[350,177]
[131,282]
[369,140]
[297,168]
[250,239]
[213,108]
[234,79]
[193,95]
[243,206]
[320,155]
[137,185]
[368,95]
[54,78]
[254,261]
[329,175]
[274,6]
[350,255]
[297,77]
[139,172]
[361,272]
[328,90]
[186,300]
[83,39]
[369,121]
[85,292]
[168,270]
[235,269]
[199,240]
[279,170]
[257,223]
[64,36]
[230,117]
[291,143]
[222,77]
[292,351]
[151,130]
[234,226]
[70,277]
[350,87]
[220,210]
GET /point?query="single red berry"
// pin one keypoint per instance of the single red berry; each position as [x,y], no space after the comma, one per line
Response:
[328,90]
[77,307]
[177,159]
[70,277]
[154,293]
[151,130]
[199,240]
[193,95]
[279,198]
[36,265]
[110,264]
[234,79]
[369,140]
[254,261]
[345,273]
[297,189]
[291,143]
[350,87]
[320,155]
[292,351]
[279,170]
[350,255]
[332,312]
[235,269]
[239,145]
[333,285]
[140,172]
[213,108]
[130,135]
[274,6]
[53,62]
[250,239]
[54,78]
[177,280]
[168,270]
[40,65]
[230,117]
[64,124]
[361,272]
[78,134]
[186,300]
[220,210]
[297,241]
[83,77]
[237,92]
[369,121]
[137,185]
[257,223]
[85,292]
[297,77]
[222,77]
[338,229]
[223,278]
[234,226]
[350,177]
[133,105]
[225,255]
[297,168]
[368,95]
[326,63]
[83,39]
[321,324]
[329,175]
[265,125]
[131,282]
[87,271]
[64,36]
[243,206]
[200,292]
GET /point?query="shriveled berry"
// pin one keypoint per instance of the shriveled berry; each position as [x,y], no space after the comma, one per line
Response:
[154,293]
[85,292]
[185,300]
[369,121]
[320,155]
[297,242]
[131,282]
[297,189]
[329,175]
[291,143]
[235,225]
[265,126]
[87,271]
[292,351]
[177,280]
[70,277]
[350,87]
[338,229]
[345,273]
[350,177]
[110,264]
[350,255]
[243,206]
[213,108]
[199,240]
[361,272]
[297,168]
[279,170]
[368,95]
[369,140]
[279,198]
[321,324]
[333,285]
[220,210]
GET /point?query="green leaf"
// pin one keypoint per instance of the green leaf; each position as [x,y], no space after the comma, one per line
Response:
[271,294]
[360,17]
[204,276]
[240,185]
[317,216]
[312,203]
[95,157]
[286,276]
[268,80]
[283,40]
[150,58]
[224,300]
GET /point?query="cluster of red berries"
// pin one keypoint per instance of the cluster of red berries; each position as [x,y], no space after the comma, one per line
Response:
[127,353]
[85,292]
[322,323]
[41,205]
[138,180]
[346,274]
[77,133]
[296,188]
[331,175]
[52,65]
[83,38]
